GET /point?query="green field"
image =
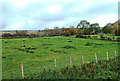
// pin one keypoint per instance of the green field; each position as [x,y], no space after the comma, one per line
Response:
[39,53]
[109,35]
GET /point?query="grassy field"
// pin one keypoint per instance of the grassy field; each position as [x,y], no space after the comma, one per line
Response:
[104,69]
[109,35]
[39,53]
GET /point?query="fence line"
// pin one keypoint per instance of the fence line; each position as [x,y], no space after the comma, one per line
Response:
[22,72]
[55,63]
[115,53]
[70,62]
[82,59]
[96,58]
[107,56]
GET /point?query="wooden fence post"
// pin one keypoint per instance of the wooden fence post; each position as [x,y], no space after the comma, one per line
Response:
[82,59]
[107,56]
[70,62]
[22,72]
[96,58]
[55,63]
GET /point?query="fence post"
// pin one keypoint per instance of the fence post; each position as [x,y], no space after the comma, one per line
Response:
[115,53]
[22,72]
[70,62]
[107,56]
[55,63]
[96,58]
[82,59]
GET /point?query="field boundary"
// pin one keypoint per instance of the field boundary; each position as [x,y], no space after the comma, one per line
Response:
[83,62]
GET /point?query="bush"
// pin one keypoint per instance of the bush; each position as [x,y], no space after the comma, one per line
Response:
[21,33]
[89,36]
[118,39]
[68,32]
[7,35]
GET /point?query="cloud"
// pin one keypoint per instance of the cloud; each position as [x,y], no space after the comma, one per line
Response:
[104,19]
[39,14]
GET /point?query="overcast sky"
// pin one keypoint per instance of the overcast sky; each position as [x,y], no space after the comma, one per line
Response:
[41,14]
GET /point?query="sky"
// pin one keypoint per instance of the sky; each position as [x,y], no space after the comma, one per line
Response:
[41,14]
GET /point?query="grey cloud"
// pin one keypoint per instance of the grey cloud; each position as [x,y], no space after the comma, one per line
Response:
[37,12]
[103,8]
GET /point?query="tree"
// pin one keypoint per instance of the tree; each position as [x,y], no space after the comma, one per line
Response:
[95,28]
[74,29]
[87,31]
[106,29]
[115,29]
[109,24]
[83,24]
[82,27]
[57,31]
[39,30]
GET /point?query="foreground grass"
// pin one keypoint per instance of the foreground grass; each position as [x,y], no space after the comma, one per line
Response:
[39,53]
[102,70]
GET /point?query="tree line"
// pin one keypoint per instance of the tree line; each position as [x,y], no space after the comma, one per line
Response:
[83,28]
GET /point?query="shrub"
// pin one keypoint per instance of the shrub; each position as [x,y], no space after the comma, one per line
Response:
[7,35]
[101,35]
[118,39]
[89,36]
[68,32]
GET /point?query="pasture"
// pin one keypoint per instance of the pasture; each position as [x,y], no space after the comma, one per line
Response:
[39,53]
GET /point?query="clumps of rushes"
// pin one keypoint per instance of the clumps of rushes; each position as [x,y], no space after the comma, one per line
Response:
[88,44]
[45,47]
[31,51]
[24,45]
[70,41]
[3,56]
[52,50]
[38,56]
[23,40]
[26,49]
[30,48]
[6,42]
[68,47]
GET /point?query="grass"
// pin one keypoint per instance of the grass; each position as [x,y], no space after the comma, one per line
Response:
[101,70]
[39,53]
[109,35]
